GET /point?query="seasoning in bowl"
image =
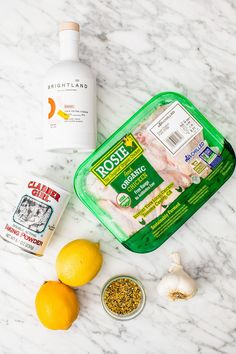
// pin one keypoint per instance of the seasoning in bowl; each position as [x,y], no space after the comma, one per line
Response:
[123,297]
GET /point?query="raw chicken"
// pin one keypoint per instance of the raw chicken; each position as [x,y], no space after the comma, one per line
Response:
[173,170]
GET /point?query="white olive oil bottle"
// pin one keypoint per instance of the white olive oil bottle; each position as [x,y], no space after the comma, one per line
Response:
[69,98]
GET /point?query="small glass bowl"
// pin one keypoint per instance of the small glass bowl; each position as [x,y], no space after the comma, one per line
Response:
[135,312]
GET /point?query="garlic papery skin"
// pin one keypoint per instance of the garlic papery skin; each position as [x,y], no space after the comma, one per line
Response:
[177,284]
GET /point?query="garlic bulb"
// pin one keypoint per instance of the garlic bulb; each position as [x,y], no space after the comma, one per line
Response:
[177,284]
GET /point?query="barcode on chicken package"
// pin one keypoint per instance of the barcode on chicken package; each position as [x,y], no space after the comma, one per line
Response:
[174,139]
[175,128]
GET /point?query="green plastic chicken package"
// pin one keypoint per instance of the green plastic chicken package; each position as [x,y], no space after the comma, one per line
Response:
[154,172]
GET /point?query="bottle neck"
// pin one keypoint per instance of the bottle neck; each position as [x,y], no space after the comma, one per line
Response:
[69,45]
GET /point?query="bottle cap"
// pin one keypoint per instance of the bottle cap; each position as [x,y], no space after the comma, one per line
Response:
[69,26]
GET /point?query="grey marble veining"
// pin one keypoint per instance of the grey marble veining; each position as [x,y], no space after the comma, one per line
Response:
[136,48]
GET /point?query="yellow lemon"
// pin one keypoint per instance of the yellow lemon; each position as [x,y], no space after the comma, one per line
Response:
[78,262]
[57,305]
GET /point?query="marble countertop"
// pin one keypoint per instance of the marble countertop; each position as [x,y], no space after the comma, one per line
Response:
[137,48]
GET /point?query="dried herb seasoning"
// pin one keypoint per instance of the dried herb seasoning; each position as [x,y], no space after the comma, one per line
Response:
[122,296]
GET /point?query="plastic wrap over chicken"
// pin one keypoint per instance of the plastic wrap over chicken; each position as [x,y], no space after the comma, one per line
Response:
[147,179]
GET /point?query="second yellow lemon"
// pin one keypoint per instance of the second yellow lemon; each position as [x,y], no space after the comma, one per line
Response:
[78,262]
[57,305]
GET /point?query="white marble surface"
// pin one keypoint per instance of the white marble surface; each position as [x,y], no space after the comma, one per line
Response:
[137,48]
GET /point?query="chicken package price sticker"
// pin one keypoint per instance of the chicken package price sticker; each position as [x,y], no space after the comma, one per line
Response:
[36,215]
[155,172]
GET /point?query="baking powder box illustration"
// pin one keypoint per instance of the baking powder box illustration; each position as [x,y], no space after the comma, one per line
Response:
[34,219]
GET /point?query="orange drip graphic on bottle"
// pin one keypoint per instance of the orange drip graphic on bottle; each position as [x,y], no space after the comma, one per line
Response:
[52,108]
[60,113]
